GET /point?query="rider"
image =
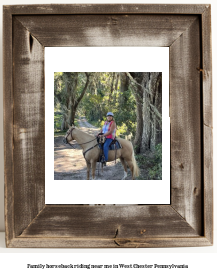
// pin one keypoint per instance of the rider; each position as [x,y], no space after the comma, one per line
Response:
[109,132]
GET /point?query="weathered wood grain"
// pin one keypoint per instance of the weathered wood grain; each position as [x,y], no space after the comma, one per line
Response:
[208,182]
[29,130]
[207,122]
[109,222]
[69,242]
[107,30]
[106,9]
[188,222]
[207,66]
[8,125]
[186,133]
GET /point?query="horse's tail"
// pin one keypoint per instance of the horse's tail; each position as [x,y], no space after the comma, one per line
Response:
[136,170]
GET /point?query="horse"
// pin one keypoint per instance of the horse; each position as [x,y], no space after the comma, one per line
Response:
[92,152]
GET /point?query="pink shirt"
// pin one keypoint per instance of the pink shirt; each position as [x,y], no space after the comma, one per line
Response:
[107,127]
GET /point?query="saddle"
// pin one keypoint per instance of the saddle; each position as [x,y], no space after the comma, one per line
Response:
[115,144]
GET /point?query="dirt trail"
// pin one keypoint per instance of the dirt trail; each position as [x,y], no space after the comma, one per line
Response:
[69,163]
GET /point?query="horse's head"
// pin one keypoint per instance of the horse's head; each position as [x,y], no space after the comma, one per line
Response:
[69,136]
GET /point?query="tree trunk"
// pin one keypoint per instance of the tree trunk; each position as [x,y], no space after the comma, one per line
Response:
[146,131]
[152,110]
[64,124]
[138,93]
[139,126]
[124,86]
[72,115]
[158,104]
[111,90]
[148,94]
[71,87]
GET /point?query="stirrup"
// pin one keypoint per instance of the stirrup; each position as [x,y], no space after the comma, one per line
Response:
[102,159]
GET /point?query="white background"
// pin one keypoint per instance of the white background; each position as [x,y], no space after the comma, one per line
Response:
[69,59]
[201,260]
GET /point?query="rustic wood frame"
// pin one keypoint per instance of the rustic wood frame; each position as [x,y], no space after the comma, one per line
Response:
[188,220]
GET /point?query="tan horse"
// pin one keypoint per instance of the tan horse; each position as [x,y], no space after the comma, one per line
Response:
[91,152]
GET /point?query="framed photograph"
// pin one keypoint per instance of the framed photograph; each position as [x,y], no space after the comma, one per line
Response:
[88,38]
[119,91]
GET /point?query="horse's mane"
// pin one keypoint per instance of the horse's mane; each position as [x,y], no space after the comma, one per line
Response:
[86,134]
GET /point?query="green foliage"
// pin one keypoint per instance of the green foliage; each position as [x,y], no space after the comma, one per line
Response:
[58,133]
[106,91]
[104,95]
[151,164]
[121,130]
[96,123]
[57,120]
[158,153]
[156,172]
[125,115]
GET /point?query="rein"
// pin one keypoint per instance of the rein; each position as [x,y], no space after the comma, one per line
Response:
[69,132]
[89,149]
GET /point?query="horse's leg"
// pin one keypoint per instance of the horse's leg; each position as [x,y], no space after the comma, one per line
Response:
[93,166]
[131,166]
[125,167]
[88,170]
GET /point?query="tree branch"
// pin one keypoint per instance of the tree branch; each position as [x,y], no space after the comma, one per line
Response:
[84,90]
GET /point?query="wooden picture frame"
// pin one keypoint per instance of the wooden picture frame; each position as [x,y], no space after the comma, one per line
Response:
[186,30]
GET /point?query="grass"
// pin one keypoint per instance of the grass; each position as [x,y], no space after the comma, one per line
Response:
[58,133]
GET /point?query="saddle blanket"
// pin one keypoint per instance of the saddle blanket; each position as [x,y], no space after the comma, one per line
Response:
[112,146]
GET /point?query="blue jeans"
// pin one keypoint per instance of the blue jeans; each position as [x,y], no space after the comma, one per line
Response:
[106,147]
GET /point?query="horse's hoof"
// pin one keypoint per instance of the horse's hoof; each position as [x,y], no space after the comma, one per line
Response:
[125,175]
